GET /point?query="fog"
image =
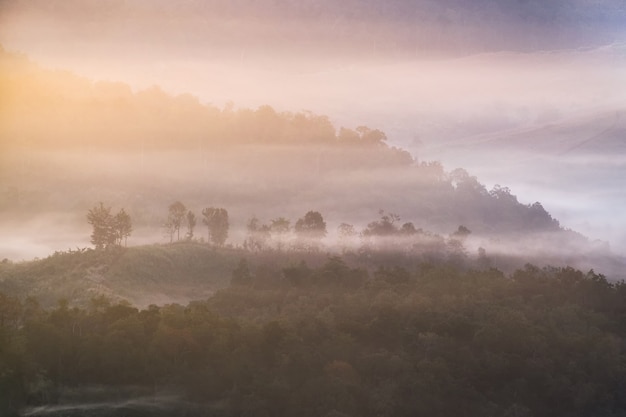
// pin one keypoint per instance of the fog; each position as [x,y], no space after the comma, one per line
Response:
[471,87]
[96,400]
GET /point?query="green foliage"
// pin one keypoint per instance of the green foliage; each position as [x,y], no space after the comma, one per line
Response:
[108,230]
[122,226]
[142,274]
[216,221]
[191,224]
[175,216]
[279,229]
[383,227]
[258,235]
[330,341]
[311,226]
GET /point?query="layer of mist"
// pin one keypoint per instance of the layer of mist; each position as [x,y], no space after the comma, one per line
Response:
[433,75]
[71,143]
[574,166]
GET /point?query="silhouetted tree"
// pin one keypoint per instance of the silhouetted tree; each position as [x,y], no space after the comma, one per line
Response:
[348,136]
[177,211]
[103,234]
[169,229]
[311,228]
[371,136]
[258,235]
[216,220]
[108,230]
[191,223]
[279,229]
[408,229]
[383,227]
[346,234]
[462,232]
[123,226]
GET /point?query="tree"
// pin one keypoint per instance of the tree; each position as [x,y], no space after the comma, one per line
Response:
[216,220]
[191,223]
[311,229]
[346,233]
[258,235]
[123,226]
[279,228]
[177,211]
[461,233]
[408,229]
[383,227]
[348,136]
[169,229]
[103,234]
[241,275]
[371,136]
[108,230]
[312,226]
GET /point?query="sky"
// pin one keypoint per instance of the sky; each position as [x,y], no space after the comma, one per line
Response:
[441,78]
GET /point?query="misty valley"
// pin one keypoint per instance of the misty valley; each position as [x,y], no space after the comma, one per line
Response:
[161,256]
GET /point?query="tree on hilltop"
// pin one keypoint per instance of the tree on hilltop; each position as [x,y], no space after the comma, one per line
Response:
[176,214]
[279,228]
[191,224]
[122,226]
[108,230]
[216,220]
[311,228]
[258,235]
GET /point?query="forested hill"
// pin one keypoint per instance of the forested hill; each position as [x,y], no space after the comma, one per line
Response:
[52,109]
[69,142]
[329,340]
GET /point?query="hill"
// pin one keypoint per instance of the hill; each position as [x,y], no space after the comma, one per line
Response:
[185,271]
[141,275]
[585,149]
[329,340]
[69,142]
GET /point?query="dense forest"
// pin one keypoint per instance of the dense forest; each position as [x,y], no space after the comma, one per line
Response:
[329,340]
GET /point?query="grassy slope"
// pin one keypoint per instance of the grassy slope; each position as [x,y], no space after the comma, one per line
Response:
[141,275]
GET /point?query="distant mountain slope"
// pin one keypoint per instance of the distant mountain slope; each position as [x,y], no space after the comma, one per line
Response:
[70,143]
[575,166]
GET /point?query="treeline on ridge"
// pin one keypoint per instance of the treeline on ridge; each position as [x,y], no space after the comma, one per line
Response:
[59,110]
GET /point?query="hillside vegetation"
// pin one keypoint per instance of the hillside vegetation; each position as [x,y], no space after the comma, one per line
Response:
[142,275]
[329,340]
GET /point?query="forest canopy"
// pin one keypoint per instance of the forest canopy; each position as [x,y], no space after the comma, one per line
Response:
[330,339]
